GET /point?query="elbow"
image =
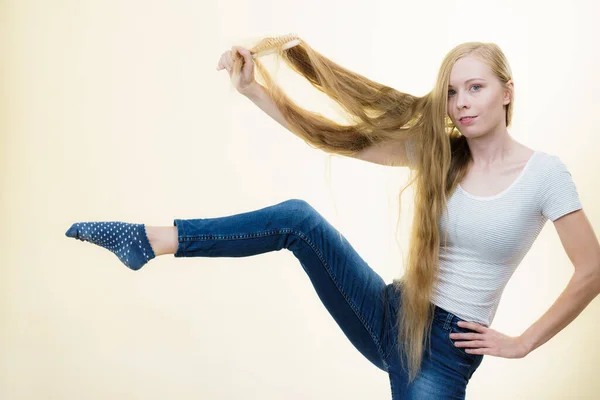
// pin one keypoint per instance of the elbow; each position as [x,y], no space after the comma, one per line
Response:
[591,278]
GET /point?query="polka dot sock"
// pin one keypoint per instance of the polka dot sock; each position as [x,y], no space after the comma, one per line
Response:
[127,241]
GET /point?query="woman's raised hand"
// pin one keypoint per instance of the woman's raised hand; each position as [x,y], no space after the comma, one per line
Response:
[244,80]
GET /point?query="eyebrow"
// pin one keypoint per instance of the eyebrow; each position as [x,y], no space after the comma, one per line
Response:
[469,80]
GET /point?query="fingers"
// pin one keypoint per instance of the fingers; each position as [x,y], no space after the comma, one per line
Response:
[241,51]
[228,59]
[248,61]
[220,63]
[225,62]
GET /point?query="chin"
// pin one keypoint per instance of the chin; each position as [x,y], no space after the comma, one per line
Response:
[469,133]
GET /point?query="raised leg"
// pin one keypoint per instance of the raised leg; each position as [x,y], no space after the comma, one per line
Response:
[350,290]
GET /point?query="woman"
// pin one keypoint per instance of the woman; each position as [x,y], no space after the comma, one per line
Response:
[489,195]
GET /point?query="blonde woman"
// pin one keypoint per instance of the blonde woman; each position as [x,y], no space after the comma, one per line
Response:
[481,199]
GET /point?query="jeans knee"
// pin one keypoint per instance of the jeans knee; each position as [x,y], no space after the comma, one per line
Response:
[302,212]
[297,203]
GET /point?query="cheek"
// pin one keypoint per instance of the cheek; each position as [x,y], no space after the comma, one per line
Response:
[493,103]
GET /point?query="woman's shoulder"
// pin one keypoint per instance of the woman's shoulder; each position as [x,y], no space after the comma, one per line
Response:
[548,160]
[548,166]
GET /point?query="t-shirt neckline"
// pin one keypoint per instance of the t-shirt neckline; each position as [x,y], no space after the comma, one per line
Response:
[502,193]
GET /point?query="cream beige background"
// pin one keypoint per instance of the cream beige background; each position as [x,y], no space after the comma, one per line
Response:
[114,111]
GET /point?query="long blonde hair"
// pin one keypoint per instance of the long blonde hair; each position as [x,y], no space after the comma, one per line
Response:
[381,113]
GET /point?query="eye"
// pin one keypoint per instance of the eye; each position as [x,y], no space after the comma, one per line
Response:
[479,86]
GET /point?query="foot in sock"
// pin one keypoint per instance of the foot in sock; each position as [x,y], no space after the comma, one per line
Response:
[127,241]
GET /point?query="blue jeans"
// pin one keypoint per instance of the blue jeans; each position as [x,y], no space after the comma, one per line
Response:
[358,299]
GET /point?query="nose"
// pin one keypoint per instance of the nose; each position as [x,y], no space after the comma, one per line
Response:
[461,101]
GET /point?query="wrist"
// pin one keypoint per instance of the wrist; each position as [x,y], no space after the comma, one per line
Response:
[525,346]
[251,90]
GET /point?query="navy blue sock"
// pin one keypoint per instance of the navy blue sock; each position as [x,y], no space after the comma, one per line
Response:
[127,241]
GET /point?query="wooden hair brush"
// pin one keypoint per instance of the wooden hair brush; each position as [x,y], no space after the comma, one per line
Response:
[275,44]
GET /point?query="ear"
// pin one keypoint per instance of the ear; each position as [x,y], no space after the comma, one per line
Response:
[508,92]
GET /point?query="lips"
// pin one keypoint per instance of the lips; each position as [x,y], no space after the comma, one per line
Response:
[467,116]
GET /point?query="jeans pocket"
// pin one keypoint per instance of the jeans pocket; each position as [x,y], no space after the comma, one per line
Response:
[461,350]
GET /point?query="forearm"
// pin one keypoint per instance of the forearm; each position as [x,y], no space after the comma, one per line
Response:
[579,292]
[259,96]
[342,144]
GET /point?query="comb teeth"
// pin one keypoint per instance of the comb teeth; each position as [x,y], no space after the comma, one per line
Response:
[272,45]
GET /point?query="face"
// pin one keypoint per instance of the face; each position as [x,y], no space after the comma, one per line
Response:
[475,91]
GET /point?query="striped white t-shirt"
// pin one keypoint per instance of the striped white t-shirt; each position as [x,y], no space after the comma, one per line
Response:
[487,237]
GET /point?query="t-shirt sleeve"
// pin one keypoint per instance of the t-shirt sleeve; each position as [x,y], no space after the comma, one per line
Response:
[559,194]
